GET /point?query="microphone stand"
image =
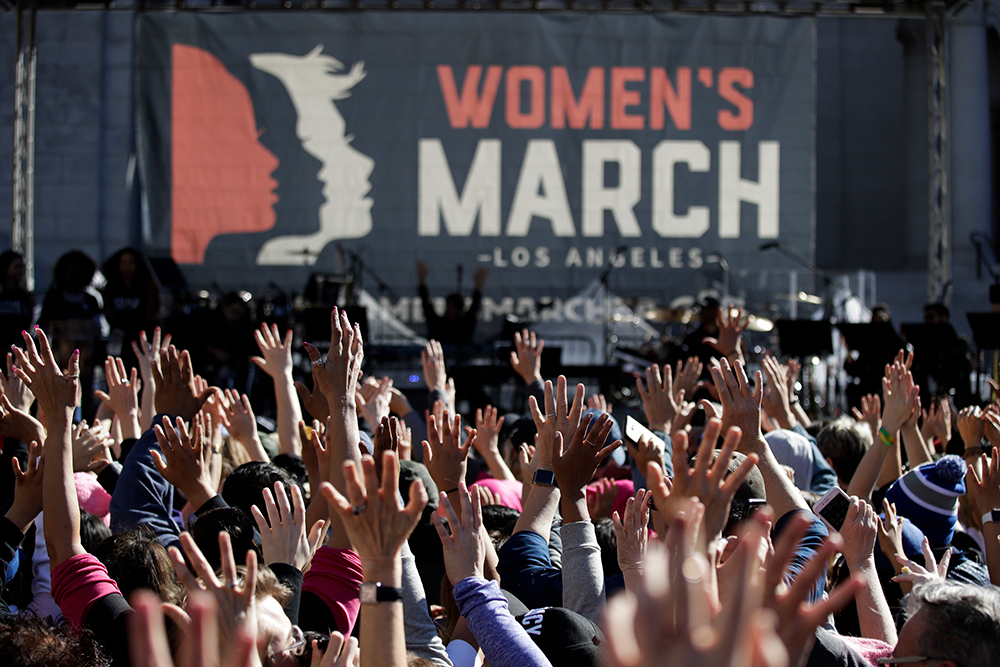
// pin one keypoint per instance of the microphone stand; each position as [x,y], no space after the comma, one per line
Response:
[358,269]
[803,261]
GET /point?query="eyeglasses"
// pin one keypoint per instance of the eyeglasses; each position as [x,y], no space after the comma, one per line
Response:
[298,645]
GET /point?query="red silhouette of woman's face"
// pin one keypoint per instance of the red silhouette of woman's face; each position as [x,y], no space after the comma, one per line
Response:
[221,173]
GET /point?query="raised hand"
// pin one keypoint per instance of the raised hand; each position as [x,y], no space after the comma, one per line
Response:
[740,403]
[632,533]
[435,375]
[870,414]
[731,328]
[373,516]
[90,446]
[148,356]
[526,357]
[659,401]
[576,464]
[900,396]
[242,424]
[601,503]
[276,353]
[123,395]
[27,503]
[373,398]
[184,460]
[797,620]
[234,595]
[313,401]
[777,402]
[464,548]
[859,531]
[709,480]
[599,403]
[672,619]
[985,491]
[445,455]
[14,388]
[931,570]
[342,369]
[18,424]
[648,450]
[283,533]
[149,646]
[176,393]
[559,417]
[687,377]
[971,428]
[57,392]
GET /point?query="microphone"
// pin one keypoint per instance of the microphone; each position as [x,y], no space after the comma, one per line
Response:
[769,245]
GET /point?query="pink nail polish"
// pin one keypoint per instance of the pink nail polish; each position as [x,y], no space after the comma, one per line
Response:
[76,351]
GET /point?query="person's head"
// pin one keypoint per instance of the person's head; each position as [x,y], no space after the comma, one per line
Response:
[936,313]
[73,272]
[12,269]
[29,641]
[126,266]
[234,521]
[880,313]
[928,496]
[564,636]
[951,625]
[93,531]
[843,443]
[499,522]
[135,559]
[708,311]
[234,306]
[244,487]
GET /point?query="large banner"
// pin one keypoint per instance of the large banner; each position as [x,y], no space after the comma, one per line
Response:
[546,148]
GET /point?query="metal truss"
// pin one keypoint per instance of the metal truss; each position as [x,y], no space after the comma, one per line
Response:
[22,235]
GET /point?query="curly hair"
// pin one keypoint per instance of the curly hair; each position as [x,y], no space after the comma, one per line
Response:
[29,641]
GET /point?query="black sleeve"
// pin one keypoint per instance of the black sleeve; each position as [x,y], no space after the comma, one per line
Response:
[108,620]
[108,478]
[290,576]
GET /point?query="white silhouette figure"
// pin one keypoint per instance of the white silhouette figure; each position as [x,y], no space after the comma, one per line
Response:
[313,84]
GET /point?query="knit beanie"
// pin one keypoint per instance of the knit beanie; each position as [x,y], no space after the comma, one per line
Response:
[928,496]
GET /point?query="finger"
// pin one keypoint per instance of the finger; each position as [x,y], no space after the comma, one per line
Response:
[228,560]
[201,566]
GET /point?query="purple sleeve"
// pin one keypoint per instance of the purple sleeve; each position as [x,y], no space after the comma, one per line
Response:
[504,642]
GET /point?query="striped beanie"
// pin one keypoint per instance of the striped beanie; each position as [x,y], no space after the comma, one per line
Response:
[928,496]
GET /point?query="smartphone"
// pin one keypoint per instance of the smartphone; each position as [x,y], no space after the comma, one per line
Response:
[832,508]
[634,430]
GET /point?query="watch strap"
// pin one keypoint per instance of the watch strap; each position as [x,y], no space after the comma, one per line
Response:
[373,592]
[991,516]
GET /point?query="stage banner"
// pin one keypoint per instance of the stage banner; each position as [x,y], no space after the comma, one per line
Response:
[545,148]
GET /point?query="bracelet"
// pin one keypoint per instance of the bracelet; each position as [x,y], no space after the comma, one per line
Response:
[448,493]
[886,437]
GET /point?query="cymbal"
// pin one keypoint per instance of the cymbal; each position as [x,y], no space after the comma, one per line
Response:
[801,297]
[759,324]
[668,315]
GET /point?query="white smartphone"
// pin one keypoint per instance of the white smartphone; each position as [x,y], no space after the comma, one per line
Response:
[832,508]
[634,430]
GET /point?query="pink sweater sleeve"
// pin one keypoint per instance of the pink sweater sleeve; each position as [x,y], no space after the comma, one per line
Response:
[335,576]
[78,583]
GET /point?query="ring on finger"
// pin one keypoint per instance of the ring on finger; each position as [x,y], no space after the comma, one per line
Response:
[318,362]
[359,508]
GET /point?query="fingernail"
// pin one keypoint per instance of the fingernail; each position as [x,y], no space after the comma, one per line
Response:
[76,351]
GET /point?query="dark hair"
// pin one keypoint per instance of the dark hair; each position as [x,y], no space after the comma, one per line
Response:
[92,531]
[940,310]
[844,441]
[136,560]
[29,641]
[73,271]
[244,487]
[608,541]
[7,257]
[113,274]
[232,520]
[499,522]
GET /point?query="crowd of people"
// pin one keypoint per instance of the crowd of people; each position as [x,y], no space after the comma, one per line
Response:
[163,525]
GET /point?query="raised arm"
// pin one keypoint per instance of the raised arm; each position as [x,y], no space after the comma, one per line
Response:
[859,532]
[56,393]
[276,361]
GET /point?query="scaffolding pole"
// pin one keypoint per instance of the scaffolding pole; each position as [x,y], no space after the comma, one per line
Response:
[22,230]
[939,255]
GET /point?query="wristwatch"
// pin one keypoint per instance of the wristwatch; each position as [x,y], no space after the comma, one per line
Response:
[544,478]
[373,592]
[991,516]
